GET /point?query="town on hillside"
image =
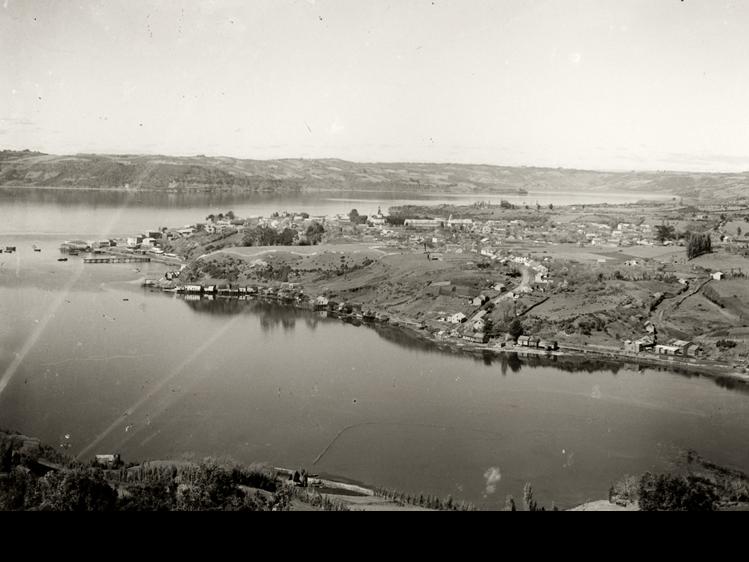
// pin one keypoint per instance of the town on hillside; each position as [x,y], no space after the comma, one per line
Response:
[664,282]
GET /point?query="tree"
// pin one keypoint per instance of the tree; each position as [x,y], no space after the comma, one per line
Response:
[664,232]
[510,504]
[286,238]
[395,220]
[516,329]
[664,492]
[551,206]
[528,501]
[314,233]
[230,215]
[356,218]
[699,244]
[158,495]
[738,231]
[77,490]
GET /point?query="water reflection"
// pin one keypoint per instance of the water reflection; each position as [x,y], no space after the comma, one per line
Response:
[271,315]
[274,315]
[208,200]
[514,363]
[112,198]
[68,212]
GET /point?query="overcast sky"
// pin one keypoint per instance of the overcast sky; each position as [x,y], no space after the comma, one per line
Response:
[604,84]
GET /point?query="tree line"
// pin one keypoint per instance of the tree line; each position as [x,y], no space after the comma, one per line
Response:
[267,236]
[699,244]
[426,501]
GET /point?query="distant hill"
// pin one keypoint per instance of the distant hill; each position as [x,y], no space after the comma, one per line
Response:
[141,172]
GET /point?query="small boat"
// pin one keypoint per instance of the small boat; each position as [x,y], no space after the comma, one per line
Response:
[62,259]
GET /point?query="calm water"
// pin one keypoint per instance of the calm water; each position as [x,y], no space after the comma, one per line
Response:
[93,213]
[90,361]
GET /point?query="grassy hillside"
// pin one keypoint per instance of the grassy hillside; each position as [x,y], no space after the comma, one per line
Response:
[35,169]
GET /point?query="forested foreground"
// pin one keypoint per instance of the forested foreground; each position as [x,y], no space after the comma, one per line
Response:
[36,477]
[695,484]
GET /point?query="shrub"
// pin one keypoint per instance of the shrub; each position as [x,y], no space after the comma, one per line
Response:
[664,492]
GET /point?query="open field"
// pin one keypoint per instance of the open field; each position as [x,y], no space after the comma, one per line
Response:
[663,254]
[305,258]
[721,261]
[591,254]
[349,249]
[604,505]
[570,252]
[697,316]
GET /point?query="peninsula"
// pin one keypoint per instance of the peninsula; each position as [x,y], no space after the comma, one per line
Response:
[647,284]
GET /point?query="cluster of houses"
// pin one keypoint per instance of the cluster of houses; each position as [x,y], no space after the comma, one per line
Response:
[679,347]
[535,342]
[465,225]
[326,304]
[87,245]
[674,347]
[290,291]
[625,234]
[442,234]
[286,292]
[498,231]
[149,242]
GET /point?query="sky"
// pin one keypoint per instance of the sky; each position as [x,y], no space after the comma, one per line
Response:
[597,84]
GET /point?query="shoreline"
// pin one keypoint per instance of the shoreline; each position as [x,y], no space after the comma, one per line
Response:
[692,366]
[647,196]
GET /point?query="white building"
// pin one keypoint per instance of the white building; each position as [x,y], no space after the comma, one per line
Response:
[457,318]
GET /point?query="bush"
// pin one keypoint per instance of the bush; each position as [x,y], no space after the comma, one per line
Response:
[664,492]
[516,329]
[76,490]
[395,220]
[625,491]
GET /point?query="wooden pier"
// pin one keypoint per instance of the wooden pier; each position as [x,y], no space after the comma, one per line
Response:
[118,259]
